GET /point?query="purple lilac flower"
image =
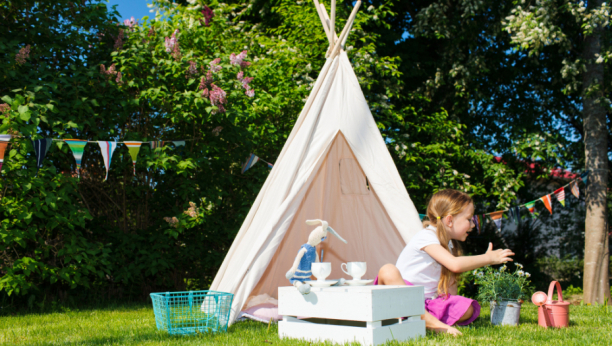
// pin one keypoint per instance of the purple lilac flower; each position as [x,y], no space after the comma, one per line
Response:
[172,41]
[218,98]
[250,93]
[205,92]
[23,54]
[202,83]
[131,23]
[214,65]
[208,15]
[239,59]
[118,79]
[119,40]
[193,69]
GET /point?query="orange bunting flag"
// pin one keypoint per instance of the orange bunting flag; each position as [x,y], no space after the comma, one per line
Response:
[575,189]
[497,218]
[547,203]
[560,194]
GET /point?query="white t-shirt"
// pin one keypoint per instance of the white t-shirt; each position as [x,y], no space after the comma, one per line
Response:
[416,266]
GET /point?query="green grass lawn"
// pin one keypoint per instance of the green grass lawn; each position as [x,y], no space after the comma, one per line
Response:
[135,325]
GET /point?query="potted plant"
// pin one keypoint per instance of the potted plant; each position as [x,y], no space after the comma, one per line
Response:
[505,290]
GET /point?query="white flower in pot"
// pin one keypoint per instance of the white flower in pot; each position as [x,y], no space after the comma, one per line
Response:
[505,291]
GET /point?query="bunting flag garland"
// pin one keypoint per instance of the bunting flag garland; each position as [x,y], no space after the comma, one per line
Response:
[575,189]
[547,203]
[497,218]
[250,162]
[178,143]
[269,165]
[584,177]
[134,148]
[4,141]
[480,225]
[156,144]
[422,216]
[560,194]
[107,152]
[77,146]
[531,207]
[41,147]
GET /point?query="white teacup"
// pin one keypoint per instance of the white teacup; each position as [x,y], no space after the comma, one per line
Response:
[321,270]
[355,269]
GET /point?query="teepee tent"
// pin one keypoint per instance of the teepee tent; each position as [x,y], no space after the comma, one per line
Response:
[335,166]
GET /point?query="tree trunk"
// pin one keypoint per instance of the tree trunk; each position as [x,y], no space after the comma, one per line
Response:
[596,283]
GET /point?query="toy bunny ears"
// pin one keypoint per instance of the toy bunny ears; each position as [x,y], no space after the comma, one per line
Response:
[325,227]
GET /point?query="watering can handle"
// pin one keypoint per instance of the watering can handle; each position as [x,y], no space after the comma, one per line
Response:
[550,292]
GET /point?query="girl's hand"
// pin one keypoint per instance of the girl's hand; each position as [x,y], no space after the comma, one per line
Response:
[498,256]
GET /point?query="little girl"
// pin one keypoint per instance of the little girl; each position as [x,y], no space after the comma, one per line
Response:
[432,259]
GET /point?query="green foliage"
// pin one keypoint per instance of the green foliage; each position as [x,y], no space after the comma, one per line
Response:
[500,284]
[134,234]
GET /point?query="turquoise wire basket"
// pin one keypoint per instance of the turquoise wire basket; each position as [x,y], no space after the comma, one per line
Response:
[188,313]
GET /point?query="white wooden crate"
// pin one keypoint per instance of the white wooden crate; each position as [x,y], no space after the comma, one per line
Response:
[366,314]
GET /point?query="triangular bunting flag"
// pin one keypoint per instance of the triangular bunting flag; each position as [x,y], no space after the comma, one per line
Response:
[480,225]
[133,148]
[252,160]
[108,148]
[77,146]
[575,189]
[422,216]
[547,203]
[531,207]
[511,213]
[560,194]
[270,165]
[4,141]
[41,147]
[178,143]
[497,218]
[584,177]
[476,223]
[156,144]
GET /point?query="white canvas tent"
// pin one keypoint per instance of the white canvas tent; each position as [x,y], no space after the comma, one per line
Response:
[336,167]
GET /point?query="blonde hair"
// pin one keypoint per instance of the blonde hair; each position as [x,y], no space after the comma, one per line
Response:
[442,204]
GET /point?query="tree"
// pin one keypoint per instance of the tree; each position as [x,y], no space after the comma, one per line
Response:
[540,25]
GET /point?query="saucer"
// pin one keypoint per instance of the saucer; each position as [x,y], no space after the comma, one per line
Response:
[358,282]
[317,283]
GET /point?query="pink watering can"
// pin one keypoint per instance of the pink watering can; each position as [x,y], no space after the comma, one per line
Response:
[551,313]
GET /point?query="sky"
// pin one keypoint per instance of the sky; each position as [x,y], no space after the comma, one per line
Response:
[129,8]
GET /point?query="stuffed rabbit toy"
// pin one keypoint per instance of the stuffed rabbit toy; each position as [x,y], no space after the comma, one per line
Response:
[300,272]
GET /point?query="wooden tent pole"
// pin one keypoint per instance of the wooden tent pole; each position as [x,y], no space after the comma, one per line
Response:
[345,31]
[322,17]
[333,19]
[332,33]
[350,26]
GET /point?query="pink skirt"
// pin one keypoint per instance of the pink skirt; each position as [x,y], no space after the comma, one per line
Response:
[450,309]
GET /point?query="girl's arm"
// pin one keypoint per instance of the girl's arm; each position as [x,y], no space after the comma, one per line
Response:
[466,263]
